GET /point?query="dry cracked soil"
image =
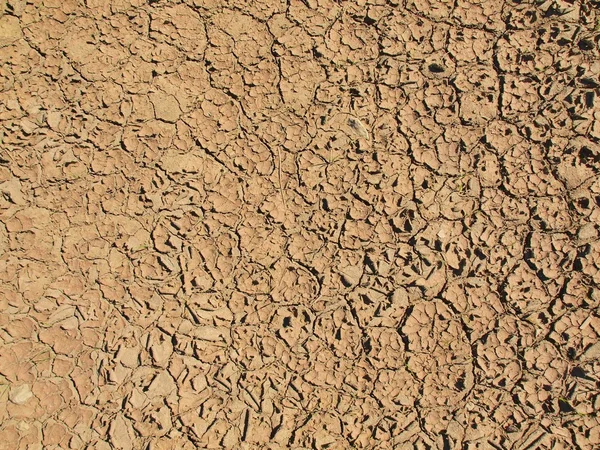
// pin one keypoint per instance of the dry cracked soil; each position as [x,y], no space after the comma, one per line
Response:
[302,224]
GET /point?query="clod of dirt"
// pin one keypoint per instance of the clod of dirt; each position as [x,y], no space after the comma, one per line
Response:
[165,106]
[358,128]
[19,395]
[587,233]
[10,30]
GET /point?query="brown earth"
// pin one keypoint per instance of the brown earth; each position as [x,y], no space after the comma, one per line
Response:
[305,224]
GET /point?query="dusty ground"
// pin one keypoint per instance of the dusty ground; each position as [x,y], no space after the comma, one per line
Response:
[314,224]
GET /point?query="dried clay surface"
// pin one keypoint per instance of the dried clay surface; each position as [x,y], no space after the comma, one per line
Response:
[301,224]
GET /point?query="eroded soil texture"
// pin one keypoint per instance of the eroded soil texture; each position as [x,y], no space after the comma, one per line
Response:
[311,224]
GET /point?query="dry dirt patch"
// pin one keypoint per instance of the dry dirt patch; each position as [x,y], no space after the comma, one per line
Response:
[302,224]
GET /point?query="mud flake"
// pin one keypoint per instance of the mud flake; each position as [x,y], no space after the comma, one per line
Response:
[121,433]
[166,107]
[10,30]
[175,163]
[12,189]
[19,395]
[358,128]
[160,347]
[162,385]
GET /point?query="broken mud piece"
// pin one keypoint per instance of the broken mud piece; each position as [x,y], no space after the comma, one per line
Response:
[166,107]
[20,394]
[358,127]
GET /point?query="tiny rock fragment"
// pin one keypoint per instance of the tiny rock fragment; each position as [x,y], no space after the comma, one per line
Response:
[20,394]
[199,383]
[137,399]
[401,298]
[23,426]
